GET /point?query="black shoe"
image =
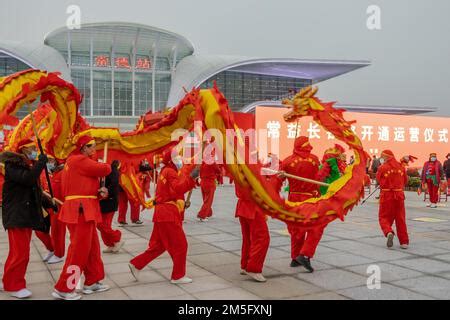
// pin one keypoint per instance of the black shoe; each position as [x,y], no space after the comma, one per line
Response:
[123,223]
[305,262]
[294,264]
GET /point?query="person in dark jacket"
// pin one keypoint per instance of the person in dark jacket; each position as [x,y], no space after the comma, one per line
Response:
[22,212]
[111,238]
[447,169]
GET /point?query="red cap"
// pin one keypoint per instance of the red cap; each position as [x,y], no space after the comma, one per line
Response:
[168,154]
[84,140]
[302,144]
[388,153]
[339,148]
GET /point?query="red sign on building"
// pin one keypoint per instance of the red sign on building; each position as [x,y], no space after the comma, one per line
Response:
[122,62]
[102,61]
[143,63]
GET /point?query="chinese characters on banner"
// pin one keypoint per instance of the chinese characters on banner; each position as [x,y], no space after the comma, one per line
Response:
[404,135]
[122,62]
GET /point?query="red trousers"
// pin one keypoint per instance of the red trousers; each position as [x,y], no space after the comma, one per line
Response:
[303,242]
[58,235]
[393,211]
[166,236]
[109,236]
[433,191]
[83,257]
[46,239]
[56,240]
[255,243]
[123,208]
[208,190]
[18,257]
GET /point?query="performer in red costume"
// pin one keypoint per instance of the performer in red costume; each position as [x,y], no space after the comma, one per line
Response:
[81,212]
[168,234]
[392,178]
[45,237]
[304,164]
[209,172]
[432,174]
[57,227]
[255,233]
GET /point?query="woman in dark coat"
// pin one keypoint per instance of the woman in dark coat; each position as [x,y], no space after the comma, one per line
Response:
[21,213]
[111,238]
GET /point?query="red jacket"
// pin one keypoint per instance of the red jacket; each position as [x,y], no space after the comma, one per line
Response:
[79,187]
[171,186]
[56,185]
[209,173]
[392,178]
[306,166]
[245,207]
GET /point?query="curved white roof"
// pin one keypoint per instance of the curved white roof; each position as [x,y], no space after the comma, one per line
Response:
[37,56]
[124,35]
[193,70]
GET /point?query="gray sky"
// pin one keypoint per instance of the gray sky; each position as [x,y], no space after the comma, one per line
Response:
[410,54]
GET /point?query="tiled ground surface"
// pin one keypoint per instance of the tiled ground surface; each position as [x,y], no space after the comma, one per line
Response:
[341,262]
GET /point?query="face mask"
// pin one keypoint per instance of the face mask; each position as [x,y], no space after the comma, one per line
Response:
[178,164]
[32,155]
[381,160]
[50,166]
[433,158]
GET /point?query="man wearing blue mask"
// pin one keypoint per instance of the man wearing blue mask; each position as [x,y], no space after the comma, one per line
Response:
[432,174]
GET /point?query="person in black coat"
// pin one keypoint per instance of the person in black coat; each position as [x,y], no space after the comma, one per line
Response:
[22,212]
[111,238]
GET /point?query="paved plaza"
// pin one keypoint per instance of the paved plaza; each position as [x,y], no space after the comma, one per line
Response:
[341,263]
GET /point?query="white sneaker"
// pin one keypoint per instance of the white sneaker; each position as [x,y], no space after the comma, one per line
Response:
[95,288]
[54,259]
[181,280]
[21,294]
[66,295]
[48,256]
[117,246]
[390,240]
[243,272]
[428,204]
[134,271]
[203,220]
[257,276]
[433,205]
[404,246]
[108,250]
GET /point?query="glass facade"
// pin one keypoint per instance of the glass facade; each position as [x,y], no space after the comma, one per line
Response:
[241,89]
[121,84]
[10,65]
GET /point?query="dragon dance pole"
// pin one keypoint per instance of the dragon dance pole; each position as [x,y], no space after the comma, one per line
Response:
[320,183]
[105,158]
[47,176]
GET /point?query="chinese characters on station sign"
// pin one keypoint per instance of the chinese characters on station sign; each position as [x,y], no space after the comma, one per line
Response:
[102,61]
[143,63]
[366,133]
[122,62]
[404,135]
